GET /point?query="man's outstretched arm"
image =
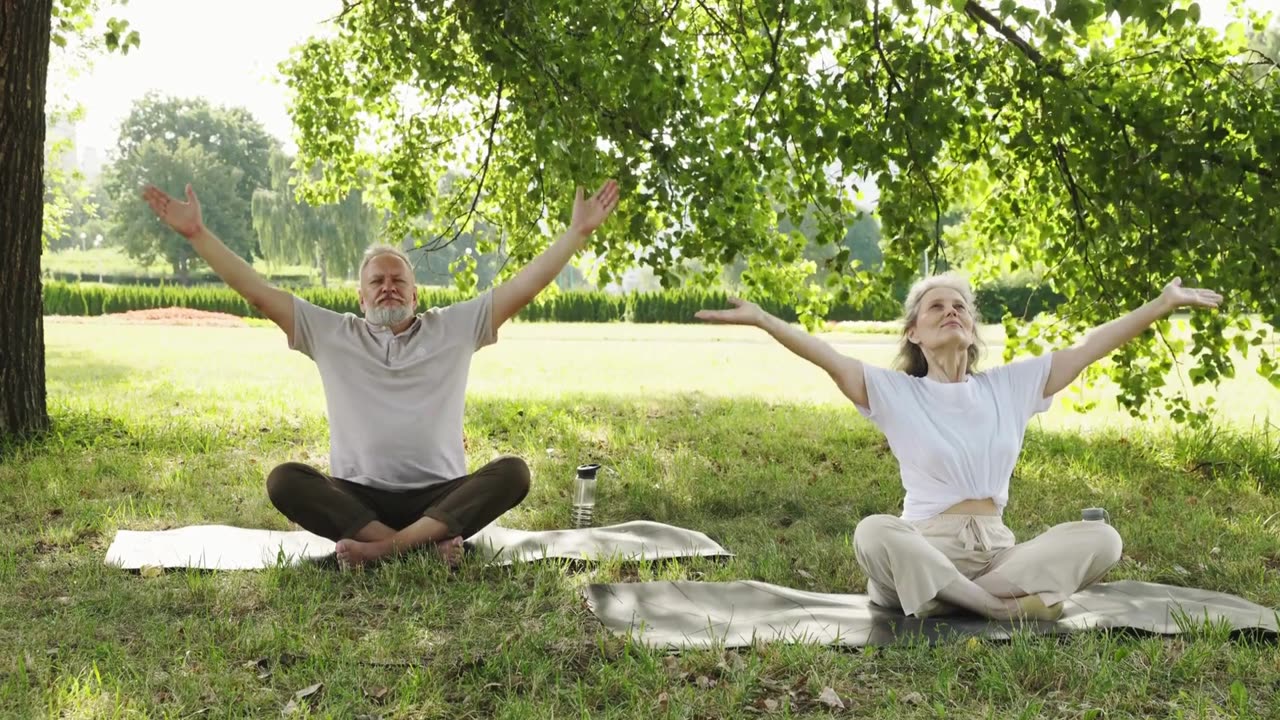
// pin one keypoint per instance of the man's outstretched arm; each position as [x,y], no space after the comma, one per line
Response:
[511,296]
[186,220]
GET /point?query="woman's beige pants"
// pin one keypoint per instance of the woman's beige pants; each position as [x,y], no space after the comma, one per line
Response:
[909,563]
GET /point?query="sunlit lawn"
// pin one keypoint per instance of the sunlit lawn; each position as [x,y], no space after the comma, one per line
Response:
[710,428]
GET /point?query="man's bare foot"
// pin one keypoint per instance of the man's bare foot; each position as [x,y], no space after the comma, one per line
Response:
[451,551]
[354,554]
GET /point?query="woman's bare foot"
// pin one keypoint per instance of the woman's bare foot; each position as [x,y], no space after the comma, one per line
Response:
[1032,607]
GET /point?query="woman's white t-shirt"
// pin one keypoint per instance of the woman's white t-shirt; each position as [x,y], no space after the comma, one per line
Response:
[956,441]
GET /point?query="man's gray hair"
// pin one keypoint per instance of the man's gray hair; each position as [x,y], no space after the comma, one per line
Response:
[374,251]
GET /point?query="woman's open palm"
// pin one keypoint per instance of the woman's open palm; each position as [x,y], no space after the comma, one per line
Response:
[742,313]
[1178,296]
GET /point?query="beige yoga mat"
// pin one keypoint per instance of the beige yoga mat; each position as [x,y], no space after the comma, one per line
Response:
[222,547]
[736,614]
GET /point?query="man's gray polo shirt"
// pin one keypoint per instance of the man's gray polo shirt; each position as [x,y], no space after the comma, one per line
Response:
[395,402]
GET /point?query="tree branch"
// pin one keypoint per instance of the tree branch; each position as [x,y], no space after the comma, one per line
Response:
[984,16]
[724,27]
[774,40]
[347,7]
[921,168]
[1269,61]
[434,243]
[893,77]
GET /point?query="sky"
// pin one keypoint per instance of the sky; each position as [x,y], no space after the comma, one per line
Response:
[224,50]
[228,51]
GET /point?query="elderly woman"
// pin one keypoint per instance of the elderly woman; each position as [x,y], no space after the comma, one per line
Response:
[957,434]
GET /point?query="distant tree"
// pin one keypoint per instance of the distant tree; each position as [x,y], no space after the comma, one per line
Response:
[329,237]
[224,152]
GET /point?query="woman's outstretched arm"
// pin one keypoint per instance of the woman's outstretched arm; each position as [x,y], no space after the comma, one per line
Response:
[844,370]
[1101,341]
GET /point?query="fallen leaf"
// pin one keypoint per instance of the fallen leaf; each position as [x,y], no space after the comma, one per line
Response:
[772,684]
[150,571]
[705,682]
[261,666]
[770,704]
[1215,550]
[663,700]
[735,660]
[829,698]
[913,698]
[302,694]
[804,574]
[1181,570]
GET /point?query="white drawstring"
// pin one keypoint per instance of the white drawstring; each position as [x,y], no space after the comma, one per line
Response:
[975,534]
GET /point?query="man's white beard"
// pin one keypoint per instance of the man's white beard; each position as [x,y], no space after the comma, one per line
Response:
[388,315]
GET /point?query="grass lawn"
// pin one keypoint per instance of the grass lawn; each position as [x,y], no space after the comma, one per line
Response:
[715,429]
[113,261]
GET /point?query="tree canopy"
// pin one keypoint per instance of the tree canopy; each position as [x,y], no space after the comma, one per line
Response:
[223,152]
[1106,145]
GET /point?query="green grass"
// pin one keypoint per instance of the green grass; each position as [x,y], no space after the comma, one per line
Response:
[113,261]
[159,427]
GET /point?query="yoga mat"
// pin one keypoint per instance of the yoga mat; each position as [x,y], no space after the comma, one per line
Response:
[222,547]
[734,614]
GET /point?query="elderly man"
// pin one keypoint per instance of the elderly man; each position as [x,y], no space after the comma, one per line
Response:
[394,384]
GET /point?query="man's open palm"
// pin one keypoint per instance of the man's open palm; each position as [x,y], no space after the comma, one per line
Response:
[590,213]
[184,217]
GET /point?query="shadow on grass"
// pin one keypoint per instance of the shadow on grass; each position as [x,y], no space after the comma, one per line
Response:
[782,486]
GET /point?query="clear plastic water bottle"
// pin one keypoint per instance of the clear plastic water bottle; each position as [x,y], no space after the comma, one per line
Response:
[584,495]
[1095,514]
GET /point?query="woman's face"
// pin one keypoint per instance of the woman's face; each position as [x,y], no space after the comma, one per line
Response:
[944,321]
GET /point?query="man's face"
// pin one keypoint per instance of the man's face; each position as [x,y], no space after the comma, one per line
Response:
[387,293]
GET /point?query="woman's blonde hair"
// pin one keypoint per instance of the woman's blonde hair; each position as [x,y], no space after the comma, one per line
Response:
[911,359]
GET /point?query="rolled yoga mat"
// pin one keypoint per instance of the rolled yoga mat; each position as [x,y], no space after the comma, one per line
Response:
[222,547]
[736,614]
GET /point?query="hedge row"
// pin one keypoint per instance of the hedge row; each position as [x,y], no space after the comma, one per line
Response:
[195,280]
[674,306]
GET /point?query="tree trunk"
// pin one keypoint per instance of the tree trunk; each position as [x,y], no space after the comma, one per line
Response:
[182,266]
[24,65]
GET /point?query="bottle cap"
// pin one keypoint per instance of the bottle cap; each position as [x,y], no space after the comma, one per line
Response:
[588,472]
